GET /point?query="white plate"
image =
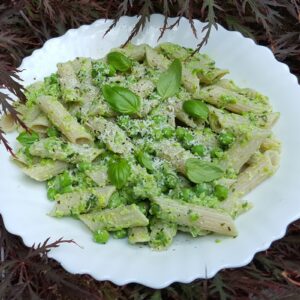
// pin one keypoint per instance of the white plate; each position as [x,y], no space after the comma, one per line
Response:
[24,205]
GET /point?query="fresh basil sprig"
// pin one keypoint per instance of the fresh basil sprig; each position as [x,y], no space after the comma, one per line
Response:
[196,109]
[121,99]
[169,82]
[199,171]
[119,61]
[145,160]
[119,172]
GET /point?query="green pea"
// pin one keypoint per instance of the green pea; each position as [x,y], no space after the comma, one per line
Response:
[168,132]
[201,188]
[154,210]
[120,234]
[198,149]
[171,181]
[226,138]
[187,140]
[101,236]
[83,166]
[217,153]
[99,144]
[65,180]
[187,194]
[51,193]
[158,119]
[221,192]
[158,134]
[180,132]
[193,217]
[52,132]
[116,200]
[143,206]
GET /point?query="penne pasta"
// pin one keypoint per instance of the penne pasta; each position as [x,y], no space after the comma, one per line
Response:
[45,170]
[161,231]
[230,100]
[241,151]
[145,143]
[192,215]
[79,202]
[111,134]
[138,235]
[261,167]
[57,149]
[115,218]
[69,83]
[63,120]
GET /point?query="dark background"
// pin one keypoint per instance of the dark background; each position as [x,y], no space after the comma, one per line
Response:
[25,25]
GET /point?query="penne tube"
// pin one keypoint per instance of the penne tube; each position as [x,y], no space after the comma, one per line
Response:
[220,119]
[64,121]
[57,149]
[138,235]
[193,215]
[156,60]
[99,175]
[40,124]
[162,233]
[30,113]
[199,65]
[69,83]
[7,123]
[241,151]
[97,107]
[83,69]
[135,52]
[112,135]
[270,143]
[230,100]
[174,154]
[45,170]
[194,232]
[249,93]
[261,167]
[82,201]
[115,218]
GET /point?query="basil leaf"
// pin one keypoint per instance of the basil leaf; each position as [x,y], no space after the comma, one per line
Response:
[119,61]
[169,82]
[196,109]
[199,171]
[145,160]
[119,172]
[121,99]
[27,138]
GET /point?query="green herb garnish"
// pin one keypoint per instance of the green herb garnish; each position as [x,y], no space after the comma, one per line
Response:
[199,171]
[119,61]
[119,172]
[196,109]
[169,82]
[121,99]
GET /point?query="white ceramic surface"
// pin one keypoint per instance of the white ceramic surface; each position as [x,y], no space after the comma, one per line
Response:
[24,205]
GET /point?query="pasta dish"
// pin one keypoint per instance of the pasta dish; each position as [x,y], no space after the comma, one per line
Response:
[145,143]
